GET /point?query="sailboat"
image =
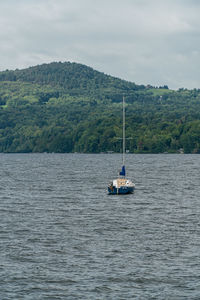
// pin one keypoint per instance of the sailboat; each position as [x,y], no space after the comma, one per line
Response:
[122,185]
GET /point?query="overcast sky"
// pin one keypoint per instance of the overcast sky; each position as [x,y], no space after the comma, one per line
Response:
[153,42]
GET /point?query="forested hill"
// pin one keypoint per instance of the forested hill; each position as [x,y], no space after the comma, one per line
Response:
[75,79]
[69,107]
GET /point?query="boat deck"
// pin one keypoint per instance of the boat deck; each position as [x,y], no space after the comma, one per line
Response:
[122,182]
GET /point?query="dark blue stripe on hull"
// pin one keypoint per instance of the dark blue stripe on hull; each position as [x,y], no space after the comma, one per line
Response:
[121,190]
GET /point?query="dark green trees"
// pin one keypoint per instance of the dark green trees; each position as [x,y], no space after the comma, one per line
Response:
[68,107]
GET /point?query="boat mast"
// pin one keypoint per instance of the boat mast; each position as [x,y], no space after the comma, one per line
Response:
[124,138]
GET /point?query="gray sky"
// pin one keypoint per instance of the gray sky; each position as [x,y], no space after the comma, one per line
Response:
[144,41]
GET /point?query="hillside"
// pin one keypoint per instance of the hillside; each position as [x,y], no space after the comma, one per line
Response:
[67,107]
[72,78]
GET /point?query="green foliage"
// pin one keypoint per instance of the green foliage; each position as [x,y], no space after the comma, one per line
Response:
[68,107]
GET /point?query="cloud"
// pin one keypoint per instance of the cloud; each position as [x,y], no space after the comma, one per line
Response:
[146,41]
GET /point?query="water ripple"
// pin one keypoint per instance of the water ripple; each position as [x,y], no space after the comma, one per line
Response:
[63,237]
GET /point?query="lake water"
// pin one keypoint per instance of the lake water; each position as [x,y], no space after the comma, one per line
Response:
[63,237]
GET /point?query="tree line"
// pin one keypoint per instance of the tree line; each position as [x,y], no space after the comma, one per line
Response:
[68,107]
